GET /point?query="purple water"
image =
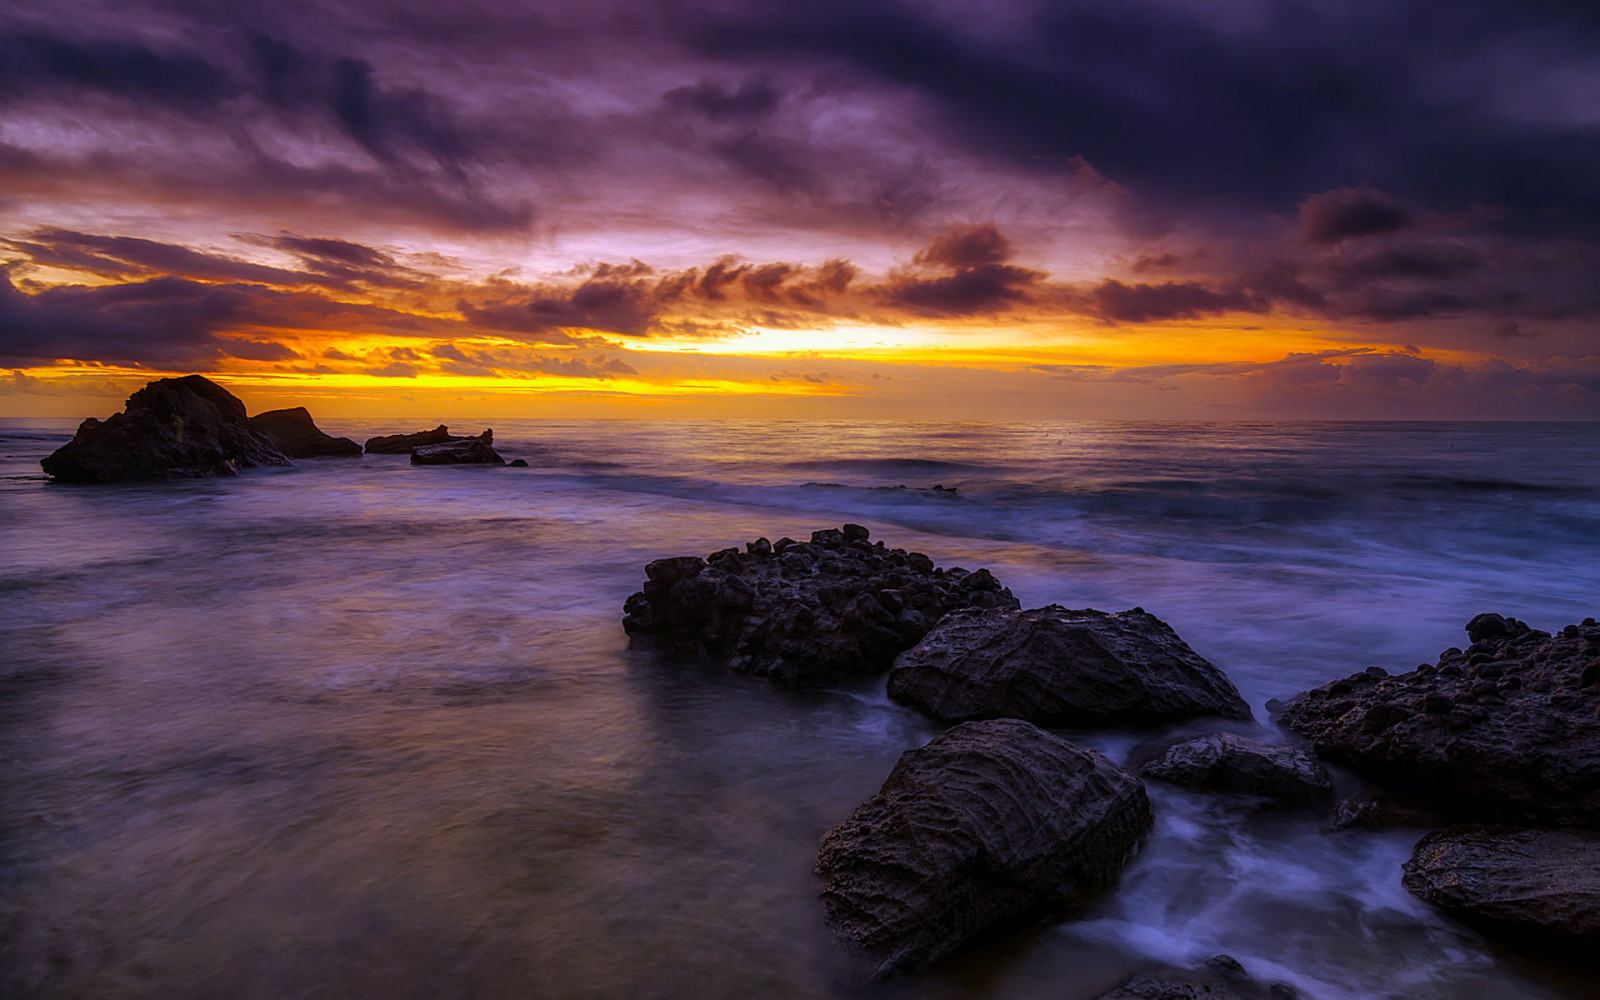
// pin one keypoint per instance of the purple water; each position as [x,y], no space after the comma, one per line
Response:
[360,729]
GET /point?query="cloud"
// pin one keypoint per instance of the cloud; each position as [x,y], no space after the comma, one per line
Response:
[1347,213]
[977,279]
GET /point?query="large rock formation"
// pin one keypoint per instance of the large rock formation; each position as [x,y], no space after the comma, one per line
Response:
[1059,667]
[472,451]
[1225,762]
[989,822]
[401,444]
[298,436]
[1533,886]
[172,428]
[1507,730]
[806,613]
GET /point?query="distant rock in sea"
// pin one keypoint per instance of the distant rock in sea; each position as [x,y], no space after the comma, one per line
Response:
[298,436]
[401,444]
[1505,731]
[1058,667]
[467,451]
[989,822]
[172,428]
[809,614]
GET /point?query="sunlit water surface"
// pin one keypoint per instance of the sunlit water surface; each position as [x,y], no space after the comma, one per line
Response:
[359,729]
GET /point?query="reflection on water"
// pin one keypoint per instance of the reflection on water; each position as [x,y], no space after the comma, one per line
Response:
[363,729]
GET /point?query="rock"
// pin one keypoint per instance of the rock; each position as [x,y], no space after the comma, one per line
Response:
[1225,762]
[987,823]
[812,614]
[1538,886]
[172,428]
[297,435]
[1156,988]
[517,463]
[460,451]
[401,444]
[1507,731]
[1058,667]
[1369,811]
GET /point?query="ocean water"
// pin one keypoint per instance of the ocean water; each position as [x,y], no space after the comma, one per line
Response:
[360,729]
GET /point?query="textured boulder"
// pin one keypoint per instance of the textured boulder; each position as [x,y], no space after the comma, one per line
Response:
[401,444]
[298,436]
[470,451]
[172,428]
[1538,886]
[1059,667]
[987,823]
[1224,762]
[1157,988]
[806,613]
[1505,731]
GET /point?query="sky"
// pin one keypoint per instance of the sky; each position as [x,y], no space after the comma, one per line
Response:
[908,209]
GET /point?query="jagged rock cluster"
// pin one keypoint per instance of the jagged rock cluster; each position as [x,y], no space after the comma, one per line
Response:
[1059,667]
[805,613]
[988,822]
[173,428]
[1503,731]
[459,451]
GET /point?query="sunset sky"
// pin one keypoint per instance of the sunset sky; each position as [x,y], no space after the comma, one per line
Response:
[1176,209]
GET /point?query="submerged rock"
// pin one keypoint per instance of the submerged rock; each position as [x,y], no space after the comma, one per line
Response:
[1507,730]
[172,428]
[401,444]
[806,613]
[1538,886]
[298,436]
[989,822]
[1059,667]
[466,451]
[1225,762]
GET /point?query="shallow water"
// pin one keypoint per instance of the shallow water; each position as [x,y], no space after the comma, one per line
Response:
[362,729]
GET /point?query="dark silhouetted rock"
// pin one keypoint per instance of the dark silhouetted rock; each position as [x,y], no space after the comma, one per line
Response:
[297,435]
[401,444]
[468,451]
[518,463]
[172,428]
[1532,886]
[987,823]
[1224,762]
[1059,667]
[1157,988]
[1368,810]
[806,613]
[1506,731]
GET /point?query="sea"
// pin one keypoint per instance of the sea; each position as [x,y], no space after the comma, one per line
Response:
[362,729]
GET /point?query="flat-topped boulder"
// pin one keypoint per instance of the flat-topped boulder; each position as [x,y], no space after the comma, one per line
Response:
[401,444]
[298,436]
[1504,731]
[811,614]
[471,451]
[1060,667]
[990,822]
[173,428]
[1527,886]
[1286,777]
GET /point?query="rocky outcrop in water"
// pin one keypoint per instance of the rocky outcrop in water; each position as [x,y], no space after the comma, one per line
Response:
[1532,886]
[1507,730]
[298,436]
[987,823]
[1156,988]
[401,444]
[172,428]
[1059,667]
[805,613]
[468,451]
[1232,764]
